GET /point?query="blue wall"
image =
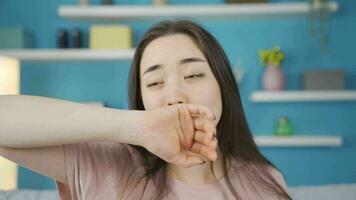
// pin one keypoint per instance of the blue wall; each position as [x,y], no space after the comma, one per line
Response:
[107,81]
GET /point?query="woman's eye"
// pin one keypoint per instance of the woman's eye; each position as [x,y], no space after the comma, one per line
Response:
[153,84]
[187,77]
[195,76]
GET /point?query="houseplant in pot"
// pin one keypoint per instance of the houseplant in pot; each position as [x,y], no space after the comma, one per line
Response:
[271,59]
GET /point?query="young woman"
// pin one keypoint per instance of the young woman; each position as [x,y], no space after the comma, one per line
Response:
[185,136]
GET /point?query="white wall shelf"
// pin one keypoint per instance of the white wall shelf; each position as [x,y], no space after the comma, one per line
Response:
[299,141]
[69,54]
[149,11]
[304,95]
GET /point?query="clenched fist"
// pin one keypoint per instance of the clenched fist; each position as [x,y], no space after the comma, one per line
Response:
[172,132]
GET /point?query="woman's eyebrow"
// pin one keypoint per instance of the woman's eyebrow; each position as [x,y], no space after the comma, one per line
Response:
[182,62]
[190,60]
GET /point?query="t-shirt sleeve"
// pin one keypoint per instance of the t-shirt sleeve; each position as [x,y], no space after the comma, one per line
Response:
[83,164]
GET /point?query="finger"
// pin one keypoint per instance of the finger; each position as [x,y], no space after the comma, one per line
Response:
[204,125]
[204,138]
[200,110]
[204,150]
[185,160]
[187,126]
[214,143]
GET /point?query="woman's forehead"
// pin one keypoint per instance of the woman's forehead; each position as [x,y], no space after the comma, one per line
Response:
[169,49]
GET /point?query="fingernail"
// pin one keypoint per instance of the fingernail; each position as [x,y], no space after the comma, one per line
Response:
[202,163]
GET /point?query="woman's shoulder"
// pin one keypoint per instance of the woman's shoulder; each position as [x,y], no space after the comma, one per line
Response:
[265,178]
[239,165]
[278,177]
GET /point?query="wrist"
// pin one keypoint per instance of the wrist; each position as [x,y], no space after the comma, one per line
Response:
[129,126]
[140,129]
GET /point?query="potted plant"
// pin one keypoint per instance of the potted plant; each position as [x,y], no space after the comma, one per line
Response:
[273,78]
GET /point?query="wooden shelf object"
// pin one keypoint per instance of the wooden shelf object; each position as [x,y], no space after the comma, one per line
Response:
[69,54]
[149,11]
[299,141]
[303,95]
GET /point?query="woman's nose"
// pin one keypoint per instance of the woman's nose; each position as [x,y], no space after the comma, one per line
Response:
[175,95]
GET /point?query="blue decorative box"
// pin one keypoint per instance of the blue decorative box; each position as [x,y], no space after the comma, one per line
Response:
[14,38]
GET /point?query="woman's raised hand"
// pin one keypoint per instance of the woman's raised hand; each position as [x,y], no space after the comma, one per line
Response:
[174,132]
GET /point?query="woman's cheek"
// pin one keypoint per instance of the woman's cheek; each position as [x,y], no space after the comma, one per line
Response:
[156,102]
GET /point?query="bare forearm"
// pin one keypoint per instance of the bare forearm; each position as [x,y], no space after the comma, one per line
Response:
[32,121]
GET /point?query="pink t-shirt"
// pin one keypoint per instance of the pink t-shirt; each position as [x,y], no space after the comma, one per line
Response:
[94,169]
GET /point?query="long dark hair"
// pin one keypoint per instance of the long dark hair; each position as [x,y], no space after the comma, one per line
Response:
[235,140]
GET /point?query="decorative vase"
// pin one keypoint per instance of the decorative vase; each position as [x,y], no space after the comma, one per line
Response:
[76,38]
[62,38]
[273,78]
[106,2]
[84,2]
[159,2]
[283,127]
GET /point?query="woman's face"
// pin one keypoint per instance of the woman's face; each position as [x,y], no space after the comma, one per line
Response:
[173,70]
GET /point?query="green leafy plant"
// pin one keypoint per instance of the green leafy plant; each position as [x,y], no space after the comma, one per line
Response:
[272,56]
